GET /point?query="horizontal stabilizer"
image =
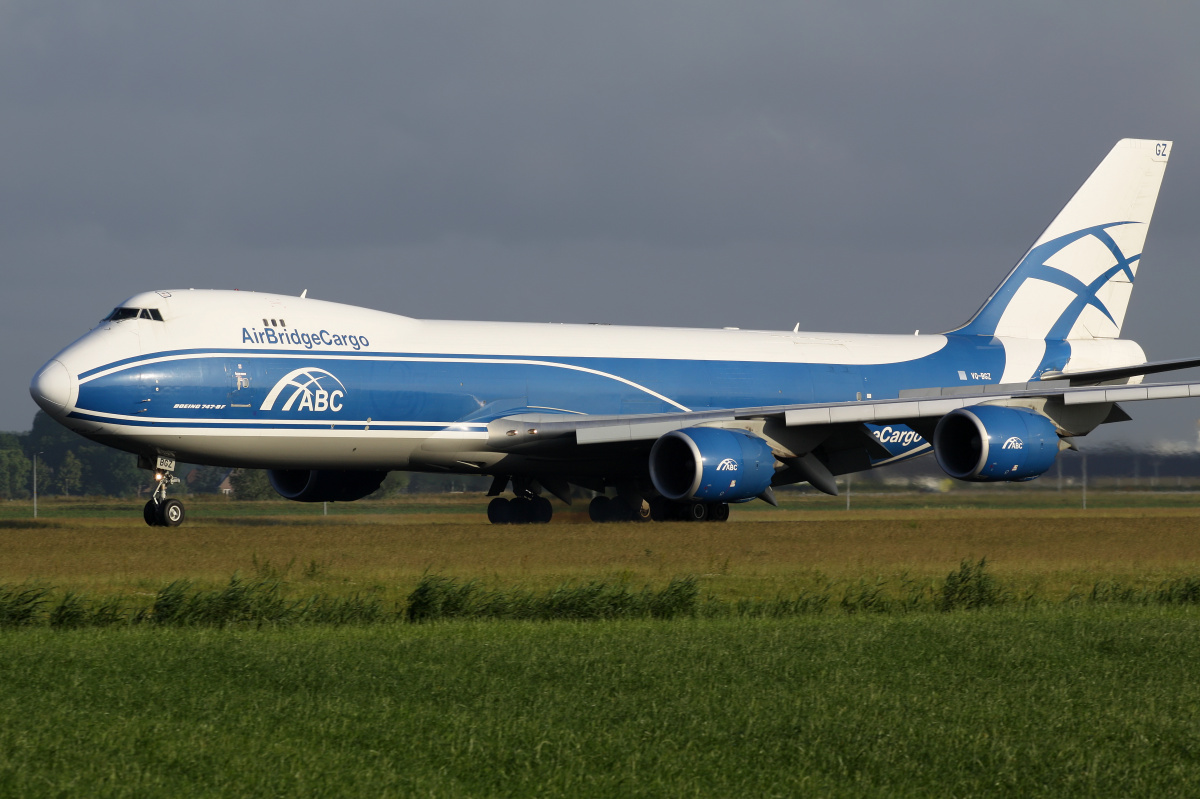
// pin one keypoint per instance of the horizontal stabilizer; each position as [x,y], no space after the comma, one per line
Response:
[1097,376]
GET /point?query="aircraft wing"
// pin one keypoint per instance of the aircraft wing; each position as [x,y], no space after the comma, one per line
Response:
[531,432]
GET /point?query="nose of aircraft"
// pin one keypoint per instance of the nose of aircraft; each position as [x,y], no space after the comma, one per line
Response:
[51,388]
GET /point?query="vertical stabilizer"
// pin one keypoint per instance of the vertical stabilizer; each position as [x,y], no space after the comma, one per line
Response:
[1075,281]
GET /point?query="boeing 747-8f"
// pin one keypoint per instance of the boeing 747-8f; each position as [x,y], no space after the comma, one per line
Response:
[664,423]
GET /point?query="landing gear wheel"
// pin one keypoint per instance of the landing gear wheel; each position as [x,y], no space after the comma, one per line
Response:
[499,511]
[170,513]
[619,510]
[542,511]
[522,510]
[598,509]
[718,512]
[160,511]
[696,512]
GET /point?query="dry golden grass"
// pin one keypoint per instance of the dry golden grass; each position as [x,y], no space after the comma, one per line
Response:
[1044,551]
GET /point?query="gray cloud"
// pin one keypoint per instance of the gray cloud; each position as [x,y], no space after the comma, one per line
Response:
[871,168]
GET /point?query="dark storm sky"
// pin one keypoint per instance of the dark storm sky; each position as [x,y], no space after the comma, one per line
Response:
[875,168]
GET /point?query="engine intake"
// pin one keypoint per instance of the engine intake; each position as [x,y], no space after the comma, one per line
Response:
[711,464]
[324,485]
[992,443]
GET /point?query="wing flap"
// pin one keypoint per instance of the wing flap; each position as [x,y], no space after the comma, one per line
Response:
[607,434]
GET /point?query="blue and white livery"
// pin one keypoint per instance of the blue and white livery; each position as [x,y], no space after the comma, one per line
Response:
[668,423]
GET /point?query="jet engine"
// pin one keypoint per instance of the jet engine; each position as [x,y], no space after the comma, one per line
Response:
[323,485]
[711,464]
[990,443]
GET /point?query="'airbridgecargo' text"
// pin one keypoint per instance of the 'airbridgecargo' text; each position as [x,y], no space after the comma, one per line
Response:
[252,335]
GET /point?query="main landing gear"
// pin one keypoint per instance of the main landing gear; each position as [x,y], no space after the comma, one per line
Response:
[659,509]
[160,511]
[520,510]
[527,507]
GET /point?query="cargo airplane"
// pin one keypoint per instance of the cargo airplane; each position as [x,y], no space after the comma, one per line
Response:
[662,423]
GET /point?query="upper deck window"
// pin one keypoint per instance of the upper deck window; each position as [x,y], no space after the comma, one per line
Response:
[120,313]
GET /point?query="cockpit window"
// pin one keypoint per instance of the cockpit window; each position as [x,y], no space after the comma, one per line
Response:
[118,314]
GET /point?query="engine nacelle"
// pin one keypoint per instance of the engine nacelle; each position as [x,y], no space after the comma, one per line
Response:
[323,485]
[711,464]
[989,443]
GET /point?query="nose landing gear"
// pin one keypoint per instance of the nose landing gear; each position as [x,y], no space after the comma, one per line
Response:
[160,511]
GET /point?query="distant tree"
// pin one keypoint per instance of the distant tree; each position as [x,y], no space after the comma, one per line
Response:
[395,483]
[51,439]
[251,484]
[70,474]
[110,472]
[421,483]
[44,474]
[207,479]
[14,474]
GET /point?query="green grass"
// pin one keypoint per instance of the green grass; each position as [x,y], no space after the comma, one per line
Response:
[1085,701]
[267,602]
[130,665]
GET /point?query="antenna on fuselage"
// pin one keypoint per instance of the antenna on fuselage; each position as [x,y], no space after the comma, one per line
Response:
[303,293]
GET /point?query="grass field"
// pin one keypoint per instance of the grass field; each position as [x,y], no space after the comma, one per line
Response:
[1050,551]
[1048,694]
[1046,702]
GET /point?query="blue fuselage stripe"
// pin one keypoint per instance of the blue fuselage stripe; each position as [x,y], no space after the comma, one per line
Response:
[433,388]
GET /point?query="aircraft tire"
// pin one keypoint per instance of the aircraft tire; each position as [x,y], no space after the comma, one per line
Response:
[522,510]
[696,512]
[718,512]
[542,511]
[598,508]
[150,514]
[619,510]
[499,511]
[170,513]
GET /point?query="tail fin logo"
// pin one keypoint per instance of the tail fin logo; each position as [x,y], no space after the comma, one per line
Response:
[1037,266]
[312,390]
